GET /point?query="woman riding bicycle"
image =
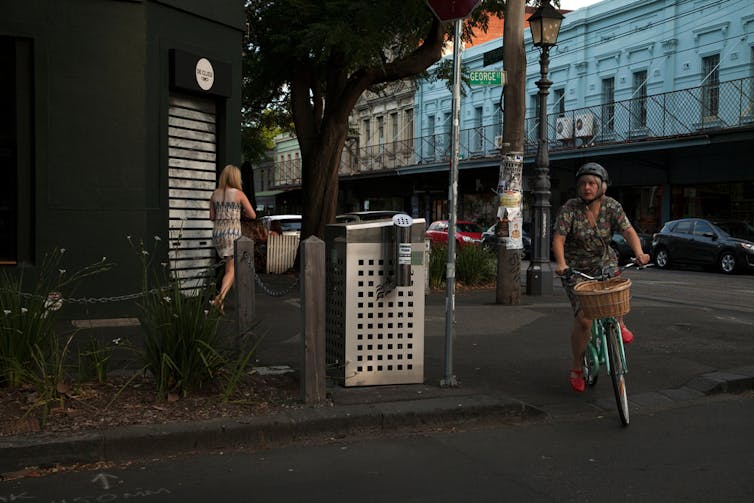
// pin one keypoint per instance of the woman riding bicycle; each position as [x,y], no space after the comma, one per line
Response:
[581,240]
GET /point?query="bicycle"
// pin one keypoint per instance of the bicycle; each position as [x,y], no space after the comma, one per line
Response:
[603,299]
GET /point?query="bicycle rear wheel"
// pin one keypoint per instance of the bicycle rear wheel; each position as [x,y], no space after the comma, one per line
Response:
[617,370]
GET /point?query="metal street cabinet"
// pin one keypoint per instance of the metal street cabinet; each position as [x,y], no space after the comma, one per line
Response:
[375,301]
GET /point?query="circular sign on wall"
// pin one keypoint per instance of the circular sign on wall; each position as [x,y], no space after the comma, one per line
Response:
[205,74]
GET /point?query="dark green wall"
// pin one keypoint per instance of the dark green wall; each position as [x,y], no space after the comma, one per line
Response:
[99,121]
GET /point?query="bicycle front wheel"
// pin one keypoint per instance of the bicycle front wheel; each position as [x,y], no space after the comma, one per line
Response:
[617,370]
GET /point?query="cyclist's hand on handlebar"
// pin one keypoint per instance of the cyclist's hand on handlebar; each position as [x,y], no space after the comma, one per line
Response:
[561,269]
[642,259]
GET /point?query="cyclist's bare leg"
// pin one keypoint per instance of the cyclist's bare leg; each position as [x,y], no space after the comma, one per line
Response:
[579,339]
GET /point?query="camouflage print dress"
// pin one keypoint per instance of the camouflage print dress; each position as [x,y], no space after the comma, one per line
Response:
[587,247]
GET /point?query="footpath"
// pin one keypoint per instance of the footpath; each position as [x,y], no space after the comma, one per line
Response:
[510,363]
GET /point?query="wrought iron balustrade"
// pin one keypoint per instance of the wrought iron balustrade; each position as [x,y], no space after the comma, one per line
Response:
[675,114]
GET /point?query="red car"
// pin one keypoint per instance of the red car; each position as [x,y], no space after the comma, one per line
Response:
[466,233]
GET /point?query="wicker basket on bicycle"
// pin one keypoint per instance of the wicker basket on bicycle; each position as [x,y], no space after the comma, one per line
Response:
[603,299]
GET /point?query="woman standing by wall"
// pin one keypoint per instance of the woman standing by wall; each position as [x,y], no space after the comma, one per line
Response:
[226,205]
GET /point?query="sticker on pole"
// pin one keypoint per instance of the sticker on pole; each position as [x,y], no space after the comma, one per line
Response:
[404,254]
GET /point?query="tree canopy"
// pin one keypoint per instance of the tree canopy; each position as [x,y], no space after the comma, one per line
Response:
[308,62]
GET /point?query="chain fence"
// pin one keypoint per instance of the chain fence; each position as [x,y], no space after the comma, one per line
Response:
[56,299]
[266,288]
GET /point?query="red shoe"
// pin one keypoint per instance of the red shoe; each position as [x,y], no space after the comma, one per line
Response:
[577,380]
[627,335]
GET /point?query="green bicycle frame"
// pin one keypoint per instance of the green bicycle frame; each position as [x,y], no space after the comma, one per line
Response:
[597,347]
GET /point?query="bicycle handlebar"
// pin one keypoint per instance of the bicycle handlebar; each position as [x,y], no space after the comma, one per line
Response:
[607,272]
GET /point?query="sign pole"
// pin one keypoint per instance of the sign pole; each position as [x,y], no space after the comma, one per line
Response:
[449,380]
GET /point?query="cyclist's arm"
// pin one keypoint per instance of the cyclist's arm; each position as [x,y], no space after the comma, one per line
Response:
[633,241]
[558,252]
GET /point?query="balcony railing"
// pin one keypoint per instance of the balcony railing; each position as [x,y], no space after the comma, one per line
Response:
[674,114]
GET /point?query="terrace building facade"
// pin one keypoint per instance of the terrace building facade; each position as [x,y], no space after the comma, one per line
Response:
[661,92]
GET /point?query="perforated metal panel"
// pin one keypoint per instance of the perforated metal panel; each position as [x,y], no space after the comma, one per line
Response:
[373,339]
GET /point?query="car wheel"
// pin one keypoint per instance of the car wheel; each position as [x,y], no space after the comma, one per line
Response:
[662,259]
[727,262]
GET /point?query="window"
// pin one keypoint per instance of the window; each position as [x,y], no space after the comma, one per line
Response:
[477,140]
[367,132]
[683,227]
[432,139]
[701,228]
[380,130]
[394,130]
[639,102]
[409,127]
[559,104]
[608,103]
[710,86]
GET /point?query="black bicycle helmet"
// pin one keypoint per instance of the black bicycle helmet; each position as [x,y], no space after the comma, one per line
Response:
[592,168]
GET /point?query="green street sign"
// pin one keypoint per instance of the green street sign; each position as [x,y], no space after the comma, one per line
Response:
[487,78]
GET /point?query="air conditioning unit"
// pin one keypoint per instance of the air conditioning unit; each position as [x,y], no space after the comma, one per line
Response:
[499,141]
[564,128]
[584,125]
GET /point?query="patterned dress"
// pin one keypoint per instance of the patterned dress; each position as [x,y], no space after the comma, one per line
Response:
[587,246]
[227,226]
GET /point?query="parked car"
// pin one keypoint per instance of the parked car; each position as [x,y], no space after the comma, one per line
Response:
[363,216]
[290,224]
[466,233]
[621,247]
[727,245]
[489,240]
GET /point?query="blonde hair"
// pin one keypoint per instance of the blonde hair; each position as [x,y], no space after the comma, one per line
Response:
[230,177]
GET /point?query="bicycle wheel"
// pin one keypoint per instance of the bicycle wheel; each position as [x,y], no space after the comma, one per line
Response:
[617,370]
[591,364]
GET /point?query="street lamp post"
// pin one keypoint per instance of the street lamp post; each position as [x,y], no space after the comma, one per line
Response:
[544,25]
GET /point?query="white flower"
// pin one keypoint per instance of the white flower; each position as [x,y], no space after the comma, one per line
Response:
[61,271]
[157,238]
[144,252]
[104,258]
[167,299]
[206,312]
[164,264]
[6,312]
[24,310]
[129,238]
[62,250]
[116,341]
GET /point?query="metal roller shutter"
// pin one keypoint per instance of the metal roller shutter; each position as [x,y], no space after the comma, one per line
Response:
[192,175]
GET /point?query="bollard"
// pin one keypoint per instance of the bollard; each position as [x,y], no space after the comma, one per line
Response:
[313,293]
[244,286]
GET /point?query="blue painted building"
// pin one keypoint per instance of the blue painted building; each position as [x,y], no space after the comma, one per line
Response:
[661,92]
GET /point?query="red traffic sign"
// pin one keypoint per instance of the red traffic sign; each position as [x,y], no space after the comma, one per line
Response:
[450,10]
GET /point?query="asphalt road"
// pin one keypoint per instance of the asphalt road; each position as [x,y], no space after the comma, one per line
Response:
[697,452]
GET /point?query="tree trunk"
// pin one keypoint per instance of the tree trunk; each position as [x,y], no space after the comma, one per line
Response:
[514,57]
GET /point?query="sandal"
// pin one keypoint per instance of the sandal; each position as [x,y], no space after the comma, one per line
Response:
[576,378]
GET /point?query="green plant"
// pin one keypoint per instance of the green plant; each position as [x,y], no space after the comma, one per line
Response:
[181,339]
[438,259]
[93,360]
[475,265]
[27,319]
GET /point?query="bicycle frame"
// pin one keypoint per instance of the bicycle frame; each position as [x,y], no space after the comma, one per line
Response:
[596,349]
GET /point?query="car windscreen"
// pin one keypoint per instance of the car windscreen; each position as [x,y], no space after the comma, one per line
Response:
[469,228]
[290,225]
